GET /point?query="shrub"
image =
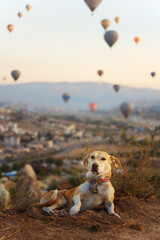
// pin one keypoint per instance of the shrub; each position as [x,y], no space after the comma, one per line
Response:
[75,180]
[59,162]
[17,166]
[56,171]
[136,178]
[52,186]
[5,167]
[50,160]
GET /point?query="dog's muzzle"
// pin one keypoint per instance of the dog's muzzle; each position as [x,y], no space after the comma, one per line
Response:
[95,167]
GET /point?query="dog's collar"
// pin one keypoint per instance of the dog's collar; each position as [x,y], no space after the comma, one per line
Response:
[94,182]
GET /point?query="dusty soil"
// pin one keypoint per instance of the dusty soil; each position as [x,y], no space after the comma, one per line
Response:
[140,219]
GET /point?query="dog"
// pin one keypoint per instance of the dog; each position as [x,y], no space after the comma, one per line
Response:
[97,189]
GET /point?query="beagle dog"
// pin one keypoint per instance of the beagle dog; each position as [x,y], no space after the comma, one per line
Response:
[97,189]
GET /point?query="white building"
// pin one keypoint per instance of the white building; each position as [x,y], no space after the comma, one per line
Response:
[12,140]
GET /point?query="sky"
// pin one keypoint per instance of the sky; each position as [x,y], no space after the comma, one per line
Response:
[61,41]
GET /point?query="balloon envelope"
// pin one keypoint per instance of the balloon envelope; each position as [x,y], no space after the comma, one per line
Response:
[100,72]
[66,97]
[105,23]
[15,74]
[126,109]
[111,37]
[93,106]
[117,19]
[28,7]
[93,4]
[153,74]
[137,39]
[52,110]
[137,111]
[20,14]
[10,27]
[116,87]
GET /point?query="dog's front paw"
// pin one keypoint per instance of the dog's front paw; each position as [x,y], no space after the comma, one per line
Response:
[73,211]
[115,214]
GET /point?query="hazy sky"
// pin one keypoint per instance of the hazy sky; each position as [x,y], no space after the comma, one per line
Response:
[59,40]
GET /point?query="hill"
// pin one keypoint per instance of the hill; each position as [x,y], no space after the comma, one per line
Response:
[139,219]
[50,95]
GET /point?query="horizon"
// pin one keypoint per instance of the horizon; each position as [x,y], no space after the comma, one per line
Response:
[78,82]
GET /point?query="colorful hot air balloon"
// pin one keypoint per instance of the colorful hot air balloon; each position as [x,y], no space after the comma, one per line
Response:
[137,39]
[153,74]
[116,87]
[117,19]
[105,23]
[111,37]
[93,106]
[10,27]
[93,4]
[20,14]
[66,97]
[28,7]
[126,109]
[15,74]
[100,72]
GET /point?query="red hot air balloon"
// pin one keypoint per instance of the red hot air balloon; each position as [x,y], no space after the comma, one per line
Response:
[100,72]
[93,106]
[52,110]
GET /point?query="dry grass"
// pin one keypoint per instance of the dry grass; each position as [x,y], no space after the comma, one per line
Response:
[135,177]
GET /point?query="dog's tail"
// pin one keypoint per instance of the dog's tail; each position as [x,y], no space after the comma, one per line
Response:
[49,202]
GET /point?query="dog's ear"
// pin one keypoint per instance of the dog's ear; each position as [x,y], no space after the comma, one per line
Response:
[85,160]
[115,161]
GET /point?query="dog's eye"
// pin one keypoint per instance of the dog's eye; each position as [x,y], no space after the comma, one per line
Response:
[93,157]
[103,159]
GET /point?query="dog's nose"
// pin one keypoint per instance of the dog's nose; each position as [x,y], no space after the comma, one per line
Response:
[95,165]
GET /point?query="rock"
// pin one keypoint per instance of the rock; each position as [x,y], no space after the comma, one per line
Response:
[7,183]
[4,197]
[28,186]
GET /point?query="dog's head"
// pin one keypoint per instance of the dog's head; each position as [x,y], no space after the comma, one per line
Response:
[99,164]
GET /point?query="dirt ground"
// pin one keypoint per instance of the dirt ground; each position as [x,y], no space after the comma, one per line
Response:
[140,219]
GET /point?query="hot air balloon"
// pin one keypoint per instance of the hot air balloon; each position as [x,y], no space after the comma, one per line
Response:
[137,39]
[100,72]
[137,111]
[117,19]
[126,109]
[93,106]
[10,27]
[111,37]
[153,74]
[93,4]
[28,7]
[4,78]
[20,14]
[116,87]
[15,74]
[52,110]
[105,23]
[66,97]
